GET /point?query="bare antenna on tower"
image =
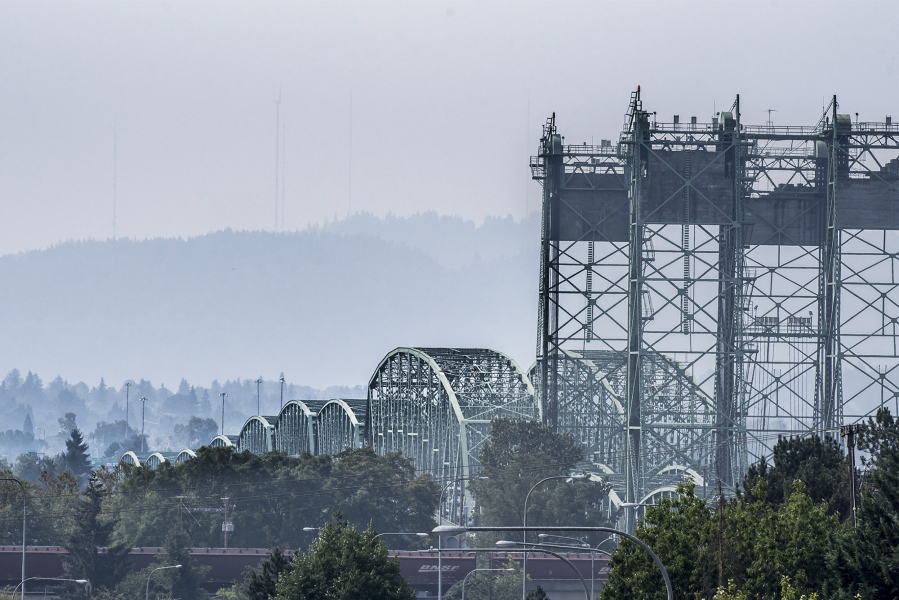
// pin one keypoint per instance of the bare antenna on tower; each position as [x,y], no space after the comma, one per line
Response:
[115,158]
[349,204]
[277,148]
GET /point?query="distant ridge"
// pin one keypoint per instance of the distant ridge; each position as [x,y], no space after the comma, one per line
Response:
[325,303]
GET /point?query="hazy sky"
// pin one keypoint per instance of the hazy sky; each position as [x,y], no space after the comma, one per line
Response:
[447,100]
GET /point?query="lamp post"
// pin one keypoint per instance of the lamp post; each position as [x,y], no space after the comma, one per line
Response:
[464,579]
[282,391]
[143,414]
[223,394]
[525,551]
[21,485]
[127,401]
[582,546]
[439,517]
[258,403]
[638,541]
[151,575]
[419,535]
[22,583]
[524,535]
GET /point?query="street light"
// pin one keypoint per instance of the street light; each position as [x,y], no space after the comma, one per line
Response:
[282,391]
[464,579]
[127,399]
[582,546]
[524,535]
[525,551]
[22,583]
[420,535]
[258,405]
[439,517]
[151,575]
[223,394]
[668,589]
[311,528]
[143,414]
[21,485]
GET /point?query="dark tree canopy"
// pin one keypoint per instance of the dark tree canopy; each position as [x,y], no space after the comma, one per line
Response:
[818,462]
[866,560]
[518,455]
[274,496]
[91,531]
[343,564]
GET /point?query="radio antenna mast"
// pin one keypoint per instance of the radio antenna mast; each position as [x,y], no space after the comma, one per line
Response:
[277,148]
[115,157]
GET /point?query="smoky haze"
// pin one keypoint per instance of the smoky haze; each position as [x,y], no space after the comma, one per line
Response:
[447,100]
[409,216]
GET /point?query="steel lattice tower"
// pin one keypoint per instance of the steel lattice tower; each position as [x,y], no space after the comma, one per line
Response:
[705,287]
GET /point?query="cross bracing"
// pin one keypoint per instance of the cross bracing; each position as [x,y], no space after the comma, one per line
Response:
[435,406]
[761,259]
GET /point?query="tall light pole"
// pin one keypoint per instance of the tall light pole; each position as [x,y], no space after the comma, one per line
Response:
[79,581]
[282,391]
[127,399]
[223,394]
[439,517]
[21,485]
[151,575]
[143,415]
[464,579]
[258,404]
[524,535]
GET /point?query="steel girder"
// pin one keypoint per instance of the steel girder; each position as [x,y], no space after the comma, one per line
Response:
[295,428]
[341,426]
[185,455]
[435,406]
[729,248]
[257,435]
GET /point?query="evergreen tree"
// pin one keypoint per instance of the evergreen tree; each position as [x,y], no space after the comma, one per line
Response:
[343,564]
[84,561]
[866,559]
[818,462]
[76,458]
[28,427]
[262,582]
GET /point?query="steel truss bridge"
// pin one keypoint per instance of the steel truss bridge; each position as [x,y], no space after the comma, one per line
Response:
[706,286]
[432,404]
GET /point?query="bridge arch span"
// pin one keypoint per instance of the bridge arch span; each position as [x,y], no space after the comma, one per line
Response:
[341,425]
[295,428]
[257,435]
[435,406]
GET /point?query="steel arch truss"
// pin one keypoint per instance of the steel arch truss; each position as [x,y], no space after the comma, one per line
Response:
[295,428]
[341,426]
[435,406]
[257,435]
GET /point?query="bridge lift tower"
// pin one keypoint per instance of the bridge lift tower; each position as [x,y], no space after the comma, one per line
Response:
[708,286]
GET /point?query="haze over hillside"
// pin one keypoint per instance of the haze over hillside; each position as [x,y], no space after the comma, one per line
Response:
[322,305]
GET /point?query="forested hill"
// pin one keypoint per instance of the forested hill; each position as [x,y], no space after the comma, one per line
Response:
[322,305]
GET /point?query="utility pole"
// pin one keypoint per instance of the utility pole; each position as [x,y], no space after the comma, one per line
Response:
[720,537]
[227,525]
[223,394]
[849,431]
[143,415]
[127,409]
